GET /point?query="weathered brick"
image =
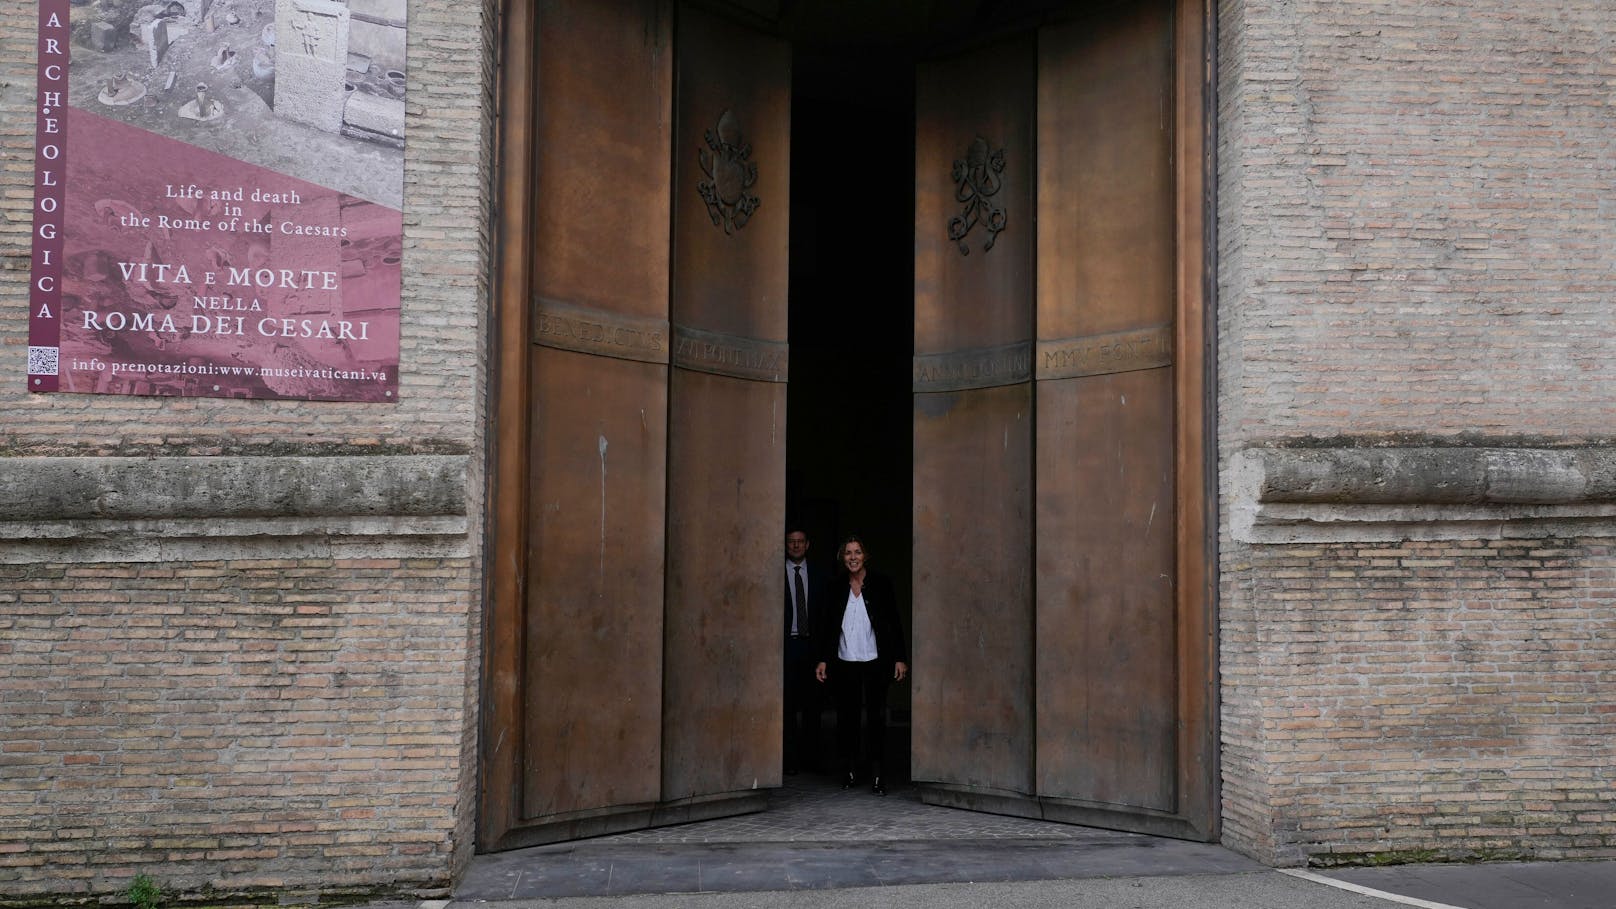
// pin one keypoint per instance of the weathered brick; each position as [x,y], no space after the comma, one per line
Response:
[1415,243]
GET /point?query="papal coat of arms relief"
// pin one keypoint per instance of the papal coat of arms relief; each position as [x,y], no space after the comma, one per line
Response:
[977,179]
[730,175]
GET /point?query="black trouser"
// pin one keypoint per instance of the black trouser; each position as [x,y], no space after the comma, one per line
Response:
[803,704]
[861,686]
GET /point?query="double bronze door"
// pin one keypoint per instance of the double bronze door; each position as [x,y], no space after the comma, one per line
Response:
[1060,616]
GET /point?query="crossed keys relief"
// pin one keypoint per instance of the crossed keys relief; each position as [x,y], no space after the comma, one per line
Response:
[730,175]
[976,181]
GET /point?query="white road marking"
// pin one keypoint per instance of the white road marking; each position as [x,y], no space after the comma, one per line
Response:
[1366,891]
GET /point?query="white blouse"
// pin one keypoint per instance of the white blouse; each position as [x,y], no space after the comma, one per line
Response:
[858,636]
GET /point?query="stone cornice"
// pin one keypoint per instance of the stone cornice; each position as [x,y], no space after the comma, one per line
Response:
[1284,495]
[184,508]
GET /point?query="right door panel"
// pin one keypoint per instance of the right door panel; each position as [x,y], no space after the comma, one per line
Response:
[974,284]
[1106,512]
[1083,591]
[727,394]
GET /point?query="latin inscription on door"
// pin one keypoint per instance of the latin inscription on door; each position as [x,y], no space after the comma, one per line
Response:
[729,355]
[1095,355]
[587,330]
[979,368]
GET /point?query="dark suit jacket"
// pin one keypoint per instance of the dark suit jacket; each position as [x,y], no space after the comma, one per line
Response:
[818,579]
[880,601]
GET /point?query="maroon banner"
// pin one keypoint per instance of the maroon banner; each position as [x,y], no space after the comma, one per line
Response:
[228,223]
[45,291]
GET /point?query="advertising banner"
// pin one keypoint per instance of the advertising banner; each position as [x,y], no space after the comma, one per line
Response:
[218,198]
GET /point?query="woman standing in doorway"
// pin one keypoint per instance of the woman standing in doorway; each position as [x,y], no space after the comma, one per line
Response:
[861,652]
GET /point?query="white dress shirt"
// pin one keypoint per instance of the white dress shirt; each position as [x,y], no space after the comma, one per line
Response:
[858,636]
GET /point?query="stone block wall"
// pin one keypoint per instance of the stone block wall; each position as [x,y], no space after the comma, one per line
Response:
[239,650]
[1416,265]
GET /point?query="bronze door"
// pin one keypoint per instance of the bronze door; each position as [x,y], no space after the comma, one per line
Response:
[727,433]
[1060,602]
[633,652]
[973,420]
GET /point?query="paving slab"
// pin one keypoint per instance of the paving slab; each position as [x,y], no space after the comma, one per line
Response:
[629,869]
[1249,890]
[1496,885]
[816,836]
[820,846]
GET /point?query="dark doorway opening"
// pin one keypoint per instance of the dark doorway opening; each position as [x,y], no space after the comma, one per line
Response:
[849,448]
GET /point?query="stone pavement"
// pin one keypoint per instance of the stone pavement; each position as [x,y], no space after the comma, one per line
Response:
[821,847]
[1497,885]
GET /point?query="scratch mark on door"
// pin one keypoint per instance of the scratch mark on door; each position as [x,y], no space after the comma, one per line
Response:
[601,583]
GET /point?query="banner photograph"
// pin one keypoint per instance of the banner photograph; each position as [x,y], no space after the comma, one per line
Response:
[218,199]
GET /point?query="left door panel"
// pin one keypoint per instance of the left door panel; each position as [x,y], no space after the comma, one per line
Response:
[598,404]
[632,677]
[727,434]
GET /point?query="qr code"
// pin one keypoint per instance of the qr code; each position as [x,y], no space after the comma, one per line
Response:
[42,360]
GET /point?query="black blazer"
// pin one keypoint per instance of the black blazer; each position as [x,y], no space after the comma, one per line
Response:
[818,578]
[880,601]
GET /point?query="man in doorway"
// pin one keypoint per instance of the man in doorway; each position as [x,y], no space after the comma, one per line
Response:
[802,697]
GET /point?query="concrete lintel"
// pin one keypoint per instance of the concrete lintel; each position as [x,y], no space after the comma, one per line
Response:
[1307,495]
[56,489]
[132,549]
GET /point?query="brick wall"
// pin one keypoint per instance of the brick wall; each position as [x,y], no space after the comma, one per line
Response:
[1436,700]
[230,725]
[1417,234]
[297,712]
[1418,217]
